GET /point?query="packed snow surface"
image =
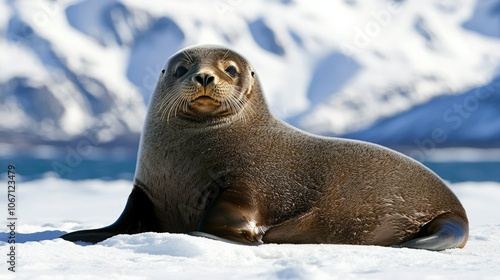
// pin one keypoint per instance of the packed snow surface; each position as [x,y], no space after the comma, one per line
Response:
[50,207]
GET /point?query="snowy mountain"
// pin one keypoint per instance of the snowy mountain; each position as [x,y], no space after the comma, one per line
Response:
[392,72]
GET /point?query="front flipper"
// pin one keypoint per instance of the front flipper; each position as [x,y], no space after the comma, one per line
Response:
[231,220]
[138,216]
[443,232]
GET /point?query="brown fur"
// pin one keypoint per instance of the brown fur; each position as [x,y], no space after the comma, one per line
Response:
[236,172]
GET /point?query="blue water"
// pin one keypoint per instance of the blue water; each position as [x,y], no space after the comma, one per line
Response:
[123,168]
[105,169]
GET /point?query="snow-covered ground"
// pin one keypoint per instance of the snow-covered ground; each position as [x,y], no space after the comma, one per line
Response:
[49,207]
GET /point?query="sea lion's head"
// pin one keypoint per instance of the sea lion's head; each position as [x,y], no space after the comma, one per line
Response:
[205,83]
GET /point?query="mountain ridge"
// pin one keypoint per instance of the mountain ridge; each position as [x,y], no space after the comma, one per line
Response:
[346,69]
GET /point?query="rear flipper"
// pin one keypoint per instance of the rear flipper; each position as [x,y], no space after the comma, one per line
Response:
[138,216]
[443,232]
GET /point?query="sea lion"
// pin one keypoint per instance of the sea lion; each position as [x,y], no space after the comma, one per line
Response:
[213,161]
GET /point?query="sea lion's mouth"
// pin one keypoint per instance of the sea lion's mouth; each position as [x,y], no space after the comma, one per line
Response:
[204,98]
[204,104]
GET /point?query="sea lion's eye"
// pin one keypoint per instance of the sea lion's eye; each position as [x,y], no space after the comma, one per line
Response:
[180,71]
[231,70]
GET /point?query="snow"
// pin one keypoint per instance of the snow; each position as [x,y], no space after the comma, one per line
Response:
[49,207]
[328,68]
[485,19]
[466,118]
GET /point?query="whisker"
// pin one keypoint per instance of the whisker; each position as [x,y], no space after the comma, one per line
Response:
[225,55]
[233,100]
[175,106]
[168,103]
[189,58]
[163,102]
[237,105]
[167,107]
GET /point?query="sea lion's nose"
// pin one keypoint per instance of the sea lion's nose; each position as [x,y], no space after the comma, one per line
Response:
[204,79]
